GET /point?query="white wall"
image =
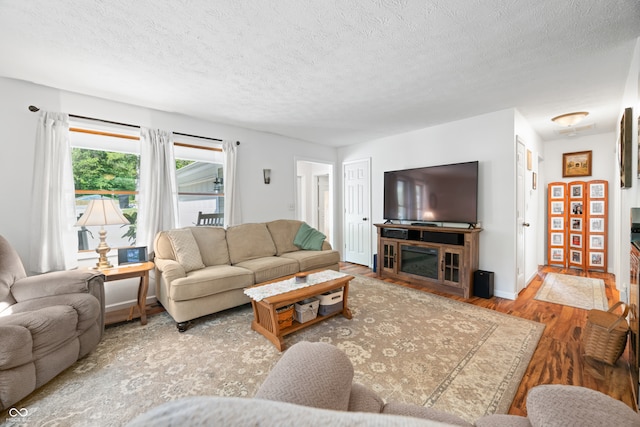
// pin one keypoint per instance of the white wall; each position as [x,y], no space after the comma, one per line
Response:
[258,150]
[630,197]
[490,139]
[534,253]
[603,147]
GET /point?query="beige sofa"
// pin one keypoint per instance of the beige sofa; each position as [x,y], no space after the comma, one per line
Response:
[311,385]
[203,270]
[47,322]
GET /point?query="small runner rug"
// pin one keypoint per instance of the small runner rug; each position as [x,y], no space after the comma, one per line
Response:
[406,345]
[574,291]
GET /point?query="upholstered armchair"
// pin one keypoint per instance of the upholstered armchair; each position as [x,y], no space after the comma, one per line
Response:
[47,322]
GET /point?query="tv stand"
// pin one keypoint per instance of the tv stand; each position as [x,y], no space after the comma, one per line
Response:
[439,258]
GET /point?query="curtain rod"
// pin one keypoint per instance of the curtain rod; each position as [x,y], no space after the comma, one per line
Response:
[34,109]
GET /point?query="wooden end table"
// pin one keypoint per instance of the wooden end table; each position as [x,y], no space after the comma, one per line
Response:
[140,270]
[265,318]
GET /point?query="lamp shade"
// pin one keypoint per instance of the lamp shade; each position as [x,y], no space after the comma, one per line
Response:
[102,212]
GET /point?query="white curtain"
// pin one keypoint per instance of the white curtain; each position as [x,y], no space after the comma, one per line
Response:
[158,203]
[54,241]
[232,214]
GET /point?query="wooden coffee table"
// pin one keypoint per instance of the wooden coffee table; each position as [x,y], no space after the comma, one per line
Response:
[265,319]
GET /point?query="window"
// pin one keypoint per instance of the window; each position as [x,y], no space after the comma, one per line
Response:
[105,164]
[199,177]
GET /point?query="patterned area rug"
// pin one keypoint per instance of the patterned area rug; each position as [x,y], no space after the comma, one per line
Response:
[408,346]
[574,291]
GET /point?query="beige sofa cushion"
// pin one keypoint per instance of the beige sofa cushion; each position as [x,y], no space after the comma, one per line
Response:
[212,242]
[185,249]
[269,268]
[311,260]
[210,281]
[283,231]
[249,241]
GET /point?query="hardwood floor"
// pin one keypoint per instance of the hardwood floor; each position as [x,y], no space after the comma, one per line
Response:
[557,359]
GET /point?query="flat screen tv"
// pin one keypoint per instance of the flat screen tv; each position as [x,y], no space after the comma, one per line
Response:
[445,193]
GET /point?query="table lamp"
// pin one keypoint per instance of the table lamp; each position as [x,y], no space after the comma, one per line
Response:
[102,212]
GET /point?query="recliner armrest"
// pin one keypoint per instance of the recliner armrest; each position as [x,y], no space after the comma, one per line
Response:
[17,346]
[57,283]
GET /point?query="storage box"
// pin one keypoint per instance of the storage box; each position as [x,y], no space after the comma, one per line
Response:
[285,316]
[306,310]
[330,302]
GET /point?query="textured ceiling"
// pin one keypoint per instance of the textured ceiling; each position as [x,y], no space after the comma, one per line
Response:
[333,72]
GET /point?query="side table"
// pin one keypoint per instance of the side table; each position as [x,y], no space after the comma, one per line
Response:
[127,272]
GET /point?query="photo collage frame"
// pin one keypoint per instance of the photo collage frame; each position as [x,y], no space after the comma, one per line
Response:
[577,224]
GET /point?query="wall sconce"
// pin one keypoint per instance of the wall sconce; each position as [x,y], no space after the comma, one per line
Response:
[267,175]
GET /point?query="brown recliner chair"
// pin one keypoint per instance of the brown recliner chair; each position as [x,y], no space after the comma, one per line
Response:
[47,322]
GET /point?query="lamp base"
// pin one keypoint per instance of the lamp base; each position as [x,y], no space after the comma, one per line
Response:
[102,250]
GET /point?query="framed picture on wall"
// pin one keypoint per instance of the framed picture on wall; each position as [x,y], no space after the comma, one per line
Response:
[625,149]
[576,164]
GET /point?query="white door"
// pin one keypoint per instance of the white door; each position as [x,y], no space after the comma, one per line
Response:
[520,213]
[357,212]
[323,205]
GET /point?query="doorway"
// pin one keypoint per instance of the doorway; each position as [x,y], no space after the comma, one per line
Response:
[521,223]
[357,212]
[314,195]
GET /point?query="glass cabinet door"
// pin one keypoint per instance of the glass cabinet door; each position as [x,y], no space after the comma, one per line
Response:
[451,266]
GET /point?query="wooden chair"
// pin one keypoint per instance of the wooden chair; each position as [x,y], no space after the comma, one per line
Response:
[214,219]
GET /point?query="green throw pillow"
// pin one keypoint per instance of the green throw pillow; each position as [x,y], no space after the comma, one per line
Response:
[308,238]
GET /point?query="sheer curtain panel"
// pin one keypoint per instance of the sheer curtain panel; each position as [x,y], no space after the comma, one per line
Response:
[158,205]
[232,215]
[53,241]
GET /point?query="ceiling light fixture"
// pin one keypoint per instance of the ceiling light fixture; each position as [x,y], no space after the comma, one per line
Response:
[570,119]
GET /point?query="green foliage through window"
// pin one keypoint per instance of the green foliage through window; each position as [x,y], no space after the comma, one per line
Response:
[104,170]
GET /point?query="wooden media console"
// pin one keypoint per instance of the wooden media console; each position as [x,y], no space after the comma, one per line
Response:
[440,258]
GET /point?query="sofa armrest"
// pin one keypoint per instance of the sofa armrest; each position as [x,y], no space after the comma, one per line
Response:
[58,283]
[170,269]
[326,246]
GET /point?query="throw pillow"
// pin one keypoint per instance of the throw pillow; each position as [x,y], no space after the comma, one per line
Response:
[186,249]
[308,238]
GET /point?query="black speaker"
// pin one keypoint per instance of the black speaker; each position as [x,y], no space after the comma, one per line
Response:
[483,283]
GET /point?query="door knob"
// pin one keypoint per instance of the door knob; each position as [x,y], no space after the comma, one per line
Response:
[525,224]
[364,219]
